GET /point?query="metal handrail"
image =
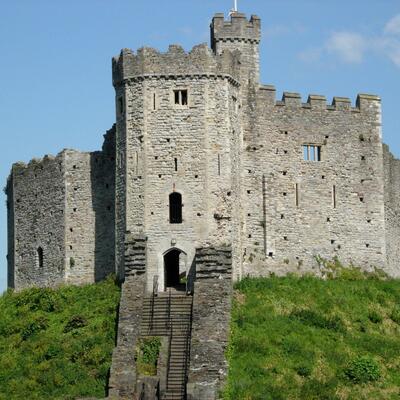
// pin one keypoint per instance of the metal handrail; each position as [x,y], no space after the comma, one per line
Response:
[187,350]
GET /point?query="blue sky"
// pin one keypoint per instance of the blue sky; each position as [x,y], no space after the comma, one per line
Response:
[55,69]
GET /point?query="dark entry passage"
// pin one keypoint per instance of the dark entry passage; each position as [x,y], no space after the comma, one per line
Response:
[171,268]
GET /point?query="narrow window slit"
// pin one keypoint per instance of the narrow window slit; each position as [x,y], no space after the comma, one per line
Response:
[334,196]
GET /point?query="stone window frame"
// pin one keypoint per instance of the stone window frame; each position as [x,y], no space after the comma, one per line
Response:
[173,94]
[312,152]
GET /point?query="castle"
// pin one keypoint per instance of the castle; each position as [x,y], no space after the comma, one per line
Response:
[205,167]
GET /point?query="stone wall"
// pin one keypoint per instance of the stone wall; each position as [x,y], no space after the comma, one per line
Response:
[192,149]
[392,211]
[122,382]
[36,194]
[63,205]
[90,213]
[211,321]
[296,209]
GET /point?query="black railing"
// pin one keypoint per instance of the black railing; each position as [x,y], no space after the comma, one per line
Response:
[187,349]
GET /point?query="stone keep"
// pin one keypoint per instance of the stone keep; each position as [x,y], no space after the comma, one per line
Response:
[202,154]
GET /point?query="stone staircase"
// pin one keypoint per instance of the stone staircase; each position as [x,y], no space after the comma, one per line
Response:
[170,314]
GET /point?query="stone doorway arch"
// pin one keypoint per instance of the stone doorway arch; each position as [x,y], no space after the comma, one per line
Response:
[175,268]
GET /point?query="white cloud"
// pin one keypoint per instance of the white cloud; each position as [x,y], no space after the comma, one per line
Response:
[393,26]
[349,46]
[389,47]
[352,47]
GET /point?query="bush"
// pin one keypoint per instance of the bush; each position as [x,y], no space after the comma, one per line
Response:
[303,370]
[395,315]
[147,355]
[363,369]
[76,322]
[39,324]
[375,317]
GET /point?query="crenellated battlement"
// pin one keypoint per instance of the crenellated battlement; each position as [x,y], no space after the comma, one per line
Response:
[175,62]
[238,29]
[364,102]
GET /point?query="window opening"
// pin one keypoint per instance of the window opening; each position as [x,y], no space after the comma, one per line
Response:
[176,164]
[311,152]
[40,257]
[154,101]
[297,194]
[175,208]
[181,97]
[334,196]
[219,164]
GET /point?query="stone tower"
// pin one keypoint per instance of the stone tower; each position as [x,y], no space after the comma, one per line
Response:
[178,139]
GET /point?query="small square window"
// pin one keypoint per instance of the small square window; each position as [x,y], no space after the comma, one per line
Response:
[311,152]
[181,97]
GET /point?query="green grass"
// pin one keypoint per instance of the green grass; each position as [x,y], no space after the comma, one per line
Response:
[57,344]
[306,338]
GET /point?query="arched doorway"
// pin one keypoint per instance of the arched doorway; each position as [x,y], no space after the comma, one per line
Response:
[174,268]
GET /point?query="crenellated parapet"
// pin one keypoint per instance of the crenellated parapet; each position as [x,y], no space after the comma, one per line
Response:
[148,62]
[238,29]
[364,102]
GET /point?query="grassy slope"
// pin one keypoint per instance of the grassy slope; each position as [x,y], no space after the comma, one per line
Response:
[279,351]
[57,344]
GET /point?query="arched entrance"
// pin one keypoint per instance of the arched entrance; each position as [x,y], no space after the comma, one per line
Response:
[174,268]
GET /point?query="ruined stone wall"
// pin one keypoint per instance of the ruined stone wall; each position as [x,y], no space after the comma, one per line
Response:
[90,213]
[211,321]
[392,211]
[296,210]
[122,382]
[37,197]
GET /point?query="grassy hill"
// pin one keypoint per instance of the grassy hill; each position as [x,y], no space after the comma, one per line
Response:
[306,338]
[57,344]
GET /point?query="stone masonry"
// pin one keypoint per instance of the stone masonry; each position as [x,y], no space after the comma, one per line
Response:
[203,158]
[236,156]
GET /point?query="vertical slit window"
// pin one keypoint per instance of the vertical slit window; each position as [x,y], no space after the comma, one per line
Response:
[175,208]
[176,164]
[219,164]
[334,196]
[297,194]
[39,255]
[154,101]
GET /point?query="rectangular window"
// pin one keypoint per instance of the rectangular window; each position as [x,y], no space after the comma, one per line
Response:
[311,152]
[181,97]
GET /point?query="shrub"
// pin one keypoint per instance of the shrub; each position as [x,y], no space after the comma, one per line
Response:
[363,369]
[147,354]
[374,317]
[75,322]
[303,370]
[395,315]
[38,299]
[39,324]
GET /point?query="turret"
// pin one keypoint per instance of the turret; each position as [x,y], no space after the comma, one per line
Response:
[239,34]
